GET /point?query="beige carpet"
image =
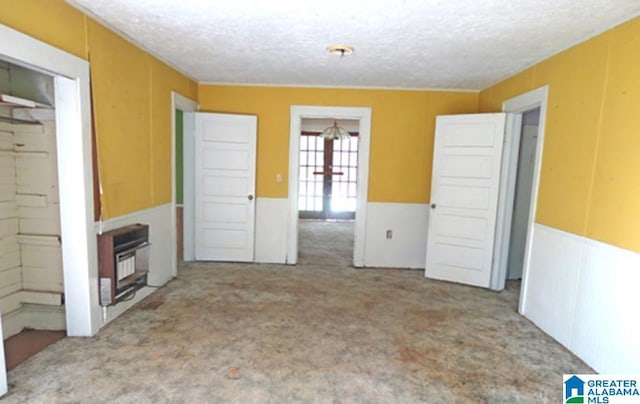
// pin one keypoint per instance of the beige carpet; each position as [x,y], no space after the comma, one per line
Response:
[326,243]
[242,333]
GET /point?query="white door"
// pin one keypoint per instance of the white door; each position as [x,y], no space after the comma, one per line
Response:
[225,164]
[464,197]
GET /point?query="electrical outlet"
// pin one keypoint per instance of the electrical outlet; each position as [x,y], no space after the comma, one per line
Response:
[389,234]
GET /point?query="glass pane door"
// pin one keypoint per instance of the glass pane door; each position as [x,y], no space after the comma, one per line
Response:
[328,175]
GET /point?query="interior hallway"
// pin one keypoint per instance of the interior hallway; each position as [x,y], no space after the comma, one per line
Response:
[313,332]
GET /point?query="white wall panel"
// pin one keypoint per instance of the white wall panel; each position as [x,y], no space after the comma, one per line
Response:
[552,280]
[408,225]
[8,209]
[584,293]
[406,248]
[271,230]
[8,227]
[606,330]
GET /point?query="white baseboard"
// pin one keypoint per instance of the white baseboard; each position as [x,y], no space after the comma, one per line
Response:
[271,230]
[408,225]
[584,293]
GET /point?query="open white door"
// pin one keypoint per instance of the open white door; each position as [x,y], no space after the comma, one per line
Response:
[225,164]
[465,186]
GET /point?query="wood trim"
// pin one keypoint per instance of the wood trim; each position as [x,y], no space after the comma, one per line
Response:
[314,133]
[97,201]
[328,173]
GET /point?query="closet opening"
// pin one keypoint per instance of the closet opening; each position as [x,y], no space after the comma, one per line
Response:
[31,269]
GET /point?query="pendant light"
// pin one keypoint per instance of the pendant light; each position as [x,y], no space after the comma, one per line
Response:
[335,132]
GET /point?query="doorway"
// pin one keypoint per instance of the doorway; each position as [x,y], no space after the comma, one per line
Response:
[31,272]
[528,109]
[491,188]
[182,182]
[327,193]
[363,117]
[73,142]
[523,190]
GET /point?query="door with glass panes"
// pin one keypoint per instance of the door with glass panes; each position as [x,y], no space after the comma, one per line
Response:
[328,177]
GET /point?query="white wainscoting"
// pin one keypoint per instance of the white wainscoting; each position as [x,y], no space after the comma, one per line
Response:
[408,224]
[406,248]
[585,294]
[271,230]
[160,256]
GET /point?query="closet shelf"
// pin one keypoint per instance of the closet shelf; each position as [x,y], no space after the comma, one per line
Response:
[10,100]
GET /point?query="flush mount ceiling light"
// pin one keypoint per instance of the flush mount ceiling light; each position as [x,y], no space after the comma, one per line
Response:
[340,50]
[335,132]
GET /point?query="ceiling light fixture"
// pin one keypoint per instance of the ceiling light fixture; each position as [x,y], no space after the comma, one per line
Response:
[335,132]
[340,50]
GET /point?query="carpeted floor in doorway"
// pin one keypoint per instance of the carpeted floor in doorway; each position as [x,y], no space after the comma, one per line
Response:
[327,243]
[244,333]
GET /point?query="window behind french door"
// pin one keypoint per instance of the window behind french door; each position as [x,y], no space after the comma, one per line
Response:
[328,177]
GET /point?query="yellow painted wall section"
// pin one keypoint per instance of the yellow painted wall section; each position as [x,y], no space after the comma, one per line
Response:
[590,168]
[576,83]
[121,85]
[132,113]
[51,21]
[402,130]
[164,80]
[131,95]
[491,99]
[614,214]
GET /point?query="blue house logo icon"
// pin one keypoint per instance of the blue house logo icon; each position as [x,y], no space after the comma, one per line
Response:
[574,390]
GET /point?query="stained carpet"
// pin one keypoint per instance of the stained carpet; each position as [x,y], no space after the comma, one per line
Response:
[312,333]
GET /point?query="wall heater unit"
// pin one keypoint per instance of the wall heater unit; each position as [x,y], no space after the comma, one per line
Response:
[123,256]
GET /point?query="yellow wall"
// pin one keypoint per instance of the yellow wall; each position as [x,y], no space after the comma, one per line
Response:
[590,179]
[131,94]
[51,21]
[402,125]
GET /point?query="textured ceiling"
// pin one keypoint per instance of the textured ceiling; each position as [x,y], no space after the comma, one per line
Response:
[448,44]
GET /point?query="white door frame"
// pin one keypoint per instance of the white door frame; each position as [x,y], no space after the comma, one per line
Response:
[363,115]
[518,106]
[75,178]
[187,105]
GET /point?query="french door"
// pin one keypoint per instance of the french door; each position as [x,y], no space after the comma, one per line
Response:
[328,177]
